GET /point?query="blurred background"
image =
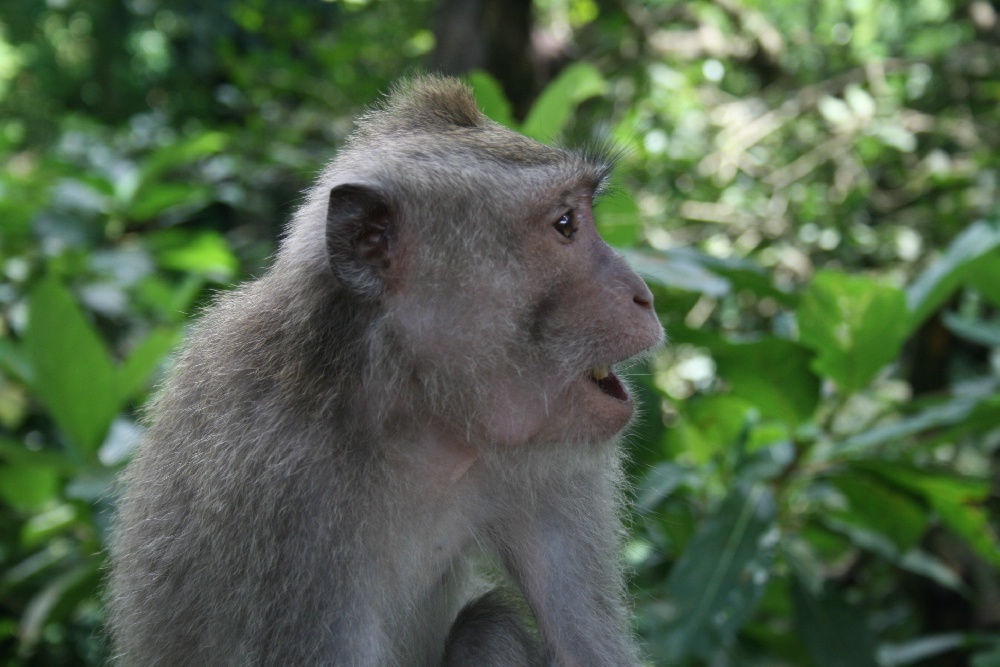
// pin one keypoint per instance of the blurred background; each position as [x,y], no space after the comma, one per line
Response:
[809,186]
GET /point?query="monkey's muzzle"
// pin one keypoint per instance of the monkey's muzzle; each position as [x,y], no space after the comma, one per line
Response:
[608,382]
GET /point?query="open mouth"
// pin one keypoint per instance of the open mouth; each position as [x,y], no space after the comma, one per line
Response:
[608,382]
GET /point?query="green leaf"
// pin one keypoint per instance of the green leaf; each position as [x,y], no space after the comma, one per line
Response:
[956,411]
[153,200]
[41,527]
[37,566]
[144,359]
[943,277]
[14,361]
[990,658]
[720,577]
[914,560]
[773,374]
[855,324]
[16,454]
[554,107]
[28,487]
[170,300]
[73,373]
[744,275]
[57,598]
[929,566]
[764,463]
[491,99]
[984,276]
[882,508]
[711,425]
[833,632]
[206,254]
[956,500]
[659,482]
[181,153]
[984,417]
[986,333]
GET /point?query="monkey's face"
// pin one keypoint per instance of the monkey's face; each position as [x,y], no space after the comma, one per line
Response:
[587,312]
[523,342]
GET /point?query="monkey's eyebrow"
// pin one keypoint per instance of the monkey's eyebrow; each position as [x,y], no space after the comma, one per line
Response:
[597,180]
[598,161]
[568,198]
[593,181]
[603,175]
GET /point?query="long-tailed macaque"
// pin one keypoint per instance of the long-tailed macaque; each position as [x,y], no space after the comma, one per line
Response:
[399,446]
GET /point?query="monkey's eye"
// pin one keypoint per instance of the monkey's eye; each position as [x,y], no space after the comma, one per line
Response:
[566,224]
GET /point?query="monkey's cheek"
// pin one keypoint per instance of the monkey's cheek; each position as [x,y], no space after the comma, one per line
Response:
[517,419]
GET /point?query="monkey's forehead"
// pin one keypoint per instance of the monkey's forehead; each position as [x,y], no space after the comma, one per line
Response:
[491,154]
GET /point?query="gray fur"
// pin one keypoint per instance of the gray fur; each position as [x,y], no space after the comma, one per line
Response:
[336,451]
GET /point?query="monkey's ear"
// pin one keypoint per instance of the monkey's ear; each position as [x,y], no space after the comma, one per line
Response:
[359,239]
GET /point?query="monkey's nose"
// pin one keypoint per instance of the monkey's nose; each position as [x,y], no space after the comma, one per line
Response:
[643,297]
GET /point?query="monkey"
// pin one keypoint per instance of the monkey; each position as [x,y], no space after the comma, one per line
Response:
[400,445]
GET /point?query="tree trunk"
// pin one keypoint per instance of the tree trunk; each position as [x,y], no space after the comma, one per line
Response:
[493,35]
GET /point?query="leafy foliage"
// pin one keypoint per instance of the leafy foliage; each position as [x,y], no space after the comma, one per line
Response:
[809,187]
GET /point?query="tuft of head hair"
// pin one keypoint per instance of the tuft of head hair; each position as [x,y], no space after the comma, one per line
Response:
[431,102]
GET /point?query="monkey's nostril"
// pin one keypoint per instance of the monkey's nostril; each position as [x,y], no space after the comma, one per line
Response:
[644,300]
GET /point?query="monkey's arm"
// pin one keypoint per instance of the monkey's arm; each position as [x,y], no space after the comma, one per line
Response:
[565,557]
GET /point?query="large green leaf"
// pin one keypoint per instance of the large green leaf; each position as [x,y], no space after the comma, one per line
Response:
[720,577]
[855,324]
[157,198]
[922,648]
[957,501]
[28,487]
[884,509]
[943,277]
[956,413]
[73,373]
[773,374]
[914,560]
[554,107]
[833,632]
[181,153]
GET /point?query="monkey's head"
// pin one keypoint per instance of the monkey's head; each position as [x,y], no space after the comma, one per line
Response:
[491,297]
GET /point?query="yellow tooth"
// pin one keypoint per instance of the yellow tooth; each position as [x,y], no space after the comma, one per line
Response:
[600,372]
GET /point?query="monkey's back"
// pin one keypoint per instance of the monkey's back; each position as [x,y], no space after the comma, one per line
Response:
[232,513]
